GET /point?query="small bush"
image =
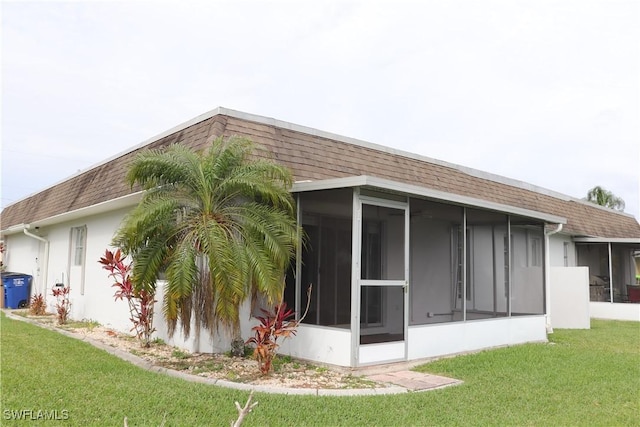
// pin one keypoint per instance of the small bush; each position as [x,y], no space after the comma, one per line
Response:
[275,324]
[141,299]
[279,323]
[63,305]
[237,347]
[37,305]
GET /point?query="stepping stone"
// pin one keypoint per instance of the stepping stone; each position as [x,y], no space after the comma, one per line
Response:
[415,381]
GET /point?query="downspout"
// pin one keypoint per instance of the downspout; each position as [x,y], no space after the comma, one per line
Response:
[547,277]
[45,264]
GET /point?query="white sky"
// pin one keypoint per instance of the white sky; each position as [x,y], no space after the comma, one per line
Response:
[546,92]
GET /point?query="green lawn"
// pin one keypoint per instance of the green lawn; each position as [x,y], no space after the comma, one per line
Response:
[583,378]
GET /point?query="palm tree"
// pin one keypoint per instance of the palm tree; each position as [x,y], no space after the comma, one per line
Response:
[220,224]
[603,197]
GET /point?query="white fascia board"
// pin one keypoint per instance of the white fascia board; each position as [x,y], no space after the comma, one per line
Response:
[14,229]
[129,200]
[329,184]
[632,240]
[385,184]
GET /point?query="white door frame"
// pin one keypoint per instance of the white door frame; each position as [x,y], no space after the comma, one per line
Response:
[358,282]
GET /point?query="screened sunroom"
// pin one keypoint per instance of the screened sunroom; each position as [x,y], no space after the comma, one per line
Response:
[612,268]
[400,272]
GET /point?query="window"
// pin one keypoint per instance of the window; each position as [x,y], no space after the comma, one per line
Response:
[76,257]
[536,252]
[79,240]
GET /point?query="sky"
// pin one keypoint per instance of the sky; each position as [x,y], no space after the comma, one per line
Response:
[546,92]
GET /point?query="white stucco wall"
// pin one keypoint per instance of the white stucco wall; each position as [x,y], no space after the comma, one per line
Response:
[570,297]
[23,256]
[26,254]
[205,342]
[556,250]
[615,311]
[320,344]
[97,302]
[459,337]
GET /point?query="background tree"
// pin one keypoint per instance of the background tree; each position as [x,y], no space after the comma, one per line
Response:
[603,197]
[219,222]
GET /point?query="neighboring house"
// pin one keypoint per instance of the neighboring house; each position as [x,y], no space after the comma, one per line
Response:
[409,257]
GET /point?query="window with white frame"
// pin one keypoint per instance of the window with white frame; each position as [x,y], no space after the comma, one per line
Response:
[79,235]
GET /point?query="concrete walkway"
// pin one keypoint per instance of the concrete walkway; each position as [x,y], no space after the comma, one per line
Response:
[397,378]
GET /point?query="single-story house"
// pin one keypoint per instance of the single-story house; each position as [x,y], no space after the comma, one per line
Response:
[410,257]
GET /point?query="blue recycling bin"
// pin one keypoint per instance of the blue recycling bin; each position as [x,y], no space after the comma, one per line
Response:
[17,288]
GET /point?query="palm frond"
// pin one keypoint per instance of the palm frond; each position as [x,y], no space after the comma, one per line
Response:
[182,275]
[150,262]
[221,221]
[152,168]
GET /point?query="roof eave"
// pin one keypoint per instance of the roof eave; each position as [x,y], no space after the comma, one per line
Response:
[371,181]
[99,208]
[14,229]
[631,240]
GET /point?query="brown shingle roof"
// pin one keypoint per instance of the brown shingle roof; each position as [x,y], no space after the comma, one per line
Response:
[314,155]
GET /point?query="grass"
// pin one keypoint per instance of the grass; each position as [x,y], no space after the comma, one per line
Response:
[583,378]
[278,361]
[179,354]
